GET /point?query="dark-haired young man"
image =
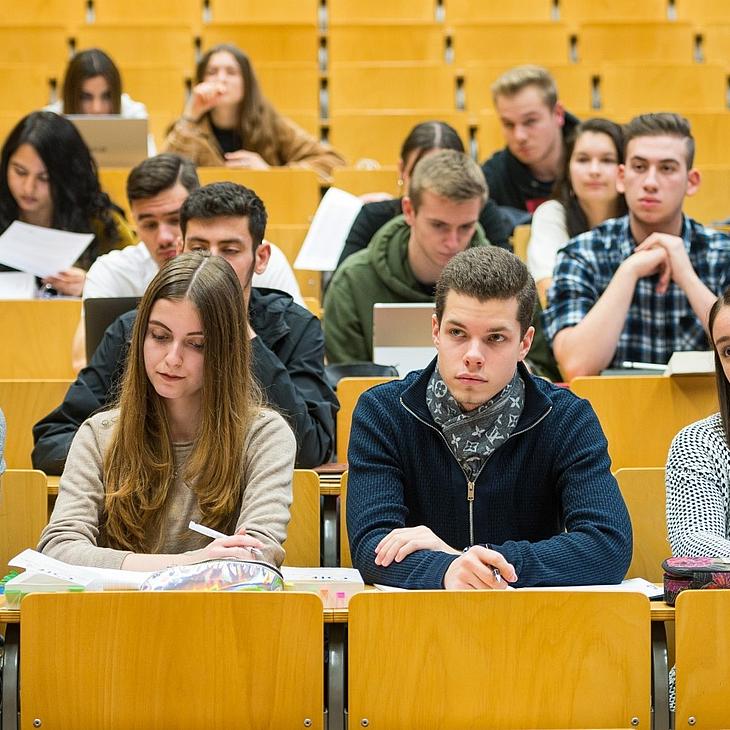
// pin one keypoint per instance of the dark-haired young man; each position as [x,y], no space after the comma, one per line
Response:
[640,287]
[228,220]
[474,474]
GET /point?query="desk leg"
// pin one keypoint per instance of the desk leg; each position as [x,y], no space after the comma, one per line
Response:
[660,675]
[10,677]
[329,531]
[336,676]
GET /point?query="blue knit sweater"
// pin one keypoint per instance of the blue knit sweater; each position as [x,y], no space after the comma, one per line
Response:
[545,499]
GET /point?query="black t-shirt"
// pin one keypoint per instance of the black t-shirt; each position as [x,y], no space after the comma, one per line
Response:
[373,216]
[228,139]
[512,184]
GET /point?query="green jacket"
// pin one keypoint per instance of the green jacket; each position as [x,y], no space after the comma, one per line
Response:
[381,273]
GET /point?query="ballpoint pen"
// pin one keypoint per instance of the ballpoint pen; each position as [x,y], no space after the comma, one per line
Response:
[210,532]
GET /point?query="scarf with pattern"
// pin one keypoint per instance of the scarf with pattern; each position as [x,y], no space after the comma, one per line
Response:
[473,436]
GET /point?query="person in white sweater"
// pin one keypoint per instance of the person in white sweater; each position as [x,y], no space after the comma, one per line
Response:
[187,440]
[698,465]
[584,196]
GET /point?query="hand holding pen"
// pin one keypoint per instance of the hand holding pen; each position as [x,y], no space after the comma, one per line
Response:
[480,568]
[238,545]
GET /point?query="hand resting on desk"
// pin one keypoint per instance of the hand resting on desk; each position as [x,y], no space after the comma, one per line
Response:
[475,569]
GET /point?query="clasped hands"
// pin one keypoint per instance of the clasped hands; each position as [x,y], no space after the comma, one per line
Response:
[472,569]
[663,254]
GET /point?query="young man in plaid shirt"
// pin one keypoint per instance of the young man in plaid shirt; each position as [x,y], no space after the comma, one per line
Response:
[639,288]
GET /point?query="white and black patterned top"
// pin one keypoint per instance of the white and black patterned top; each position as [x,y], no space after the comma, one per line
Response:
[698,490]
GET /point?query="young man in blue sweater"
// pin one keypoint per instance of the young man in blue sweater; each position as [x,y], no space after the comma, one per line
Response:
[473,473]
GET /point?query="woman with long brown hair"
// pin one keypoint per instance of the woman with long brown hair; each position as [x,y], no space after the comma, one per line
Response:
[228,121]
[188,440]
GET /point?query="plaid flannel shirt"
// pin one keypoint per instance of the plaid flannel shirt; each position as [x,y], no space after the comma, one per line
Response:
[656,324]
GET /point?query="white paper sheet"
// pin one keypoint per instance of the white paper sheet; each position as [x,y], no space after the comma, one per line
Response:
[41,251]
[92,578]
[17,285]
[326,236]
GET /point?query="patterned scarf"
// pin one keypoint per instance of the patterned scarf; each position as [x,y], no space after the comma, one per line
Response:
[473,436]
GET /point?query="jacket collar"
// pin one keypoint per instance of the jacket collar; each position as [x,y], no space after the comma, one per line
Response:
[413,398]
[267,314]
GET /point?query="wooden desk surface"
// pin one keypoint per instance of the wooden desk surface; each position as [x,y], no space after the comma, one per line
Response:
[329,486]
[660,611]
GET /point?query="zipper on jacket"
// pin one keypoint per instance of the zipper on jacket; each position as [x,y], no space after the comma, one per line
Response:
[471,484]
[470,498]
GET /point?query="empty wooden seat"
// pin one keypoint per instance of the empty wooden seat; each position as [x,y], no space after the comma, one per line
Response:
[497,11]
[254,11]
[349,391]
[23,500]
[403,11]
[711,202]
[63,13]
[162,89]
[626,89]
[391,42]
[291,42]
[635,41]
[302,540]
[379,135]
[34,45]
[291,195]
[361,182]
[711,132]
[293,88]
[24,88]
[129,43]
[24,403]
[187,12]
[37,336]
[392,87]
[511,43]
[703,12]
[577,12]
[640,415]
[644,492]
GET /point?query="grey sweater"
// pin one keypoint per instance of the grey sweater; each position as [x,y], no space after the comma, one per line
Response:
[74,533]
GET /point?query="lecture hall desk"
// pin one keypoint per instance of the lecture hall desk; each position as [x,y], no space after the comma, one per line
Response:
[335,621]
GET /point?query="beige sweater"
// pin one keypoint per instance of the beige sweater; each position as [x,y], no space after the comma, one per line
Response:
[75,535]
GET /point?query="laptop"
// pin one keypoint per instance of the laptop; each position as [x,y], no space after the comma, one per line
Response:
[114,141]
[99,314]
[402,336]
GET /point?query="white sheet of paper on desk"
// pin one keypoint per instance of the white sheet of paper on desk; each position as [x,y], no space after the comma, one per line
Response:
[630,585]
[41,251]
[92,578]
[17,285]
[326,237]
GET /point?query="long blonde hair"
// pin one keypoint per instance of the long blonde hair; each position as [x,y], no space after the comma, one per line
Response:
[138,467]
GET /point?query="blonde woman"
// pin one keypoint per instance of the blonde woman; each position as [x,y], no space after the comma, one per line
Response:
[188,440]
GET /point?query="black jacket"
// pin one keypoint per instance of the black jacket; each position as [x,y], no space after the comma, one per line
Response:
[288,362]
[510,181]
[373,216]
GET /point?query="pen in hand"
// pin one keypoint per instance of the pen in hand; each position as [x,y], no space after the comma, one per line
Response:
[209,532]
[497,575]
